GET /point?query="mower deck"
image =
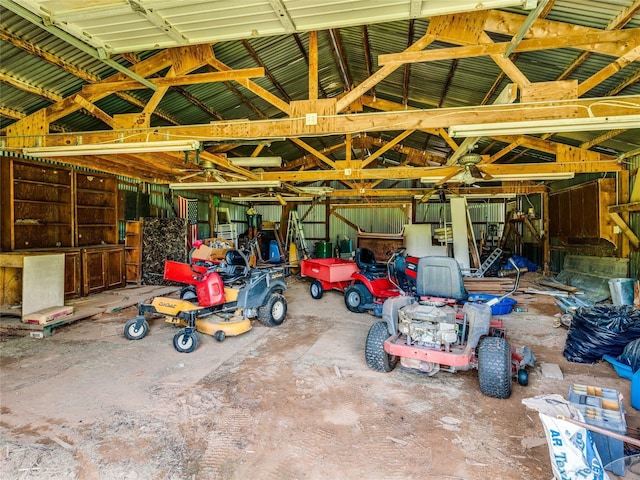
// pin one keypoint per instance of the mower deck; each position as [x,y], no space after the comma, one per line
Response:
[458,356]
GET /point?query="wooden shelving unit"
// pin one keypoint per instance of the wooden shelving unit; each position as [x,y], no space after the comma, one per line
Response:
[37,205]
[96,209]
[48,208]
[133,251]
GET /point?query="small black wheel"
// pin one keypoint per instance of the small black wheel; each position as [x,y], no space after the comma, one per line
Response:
[494,367]
[133,331]
[185,342]
[188,293]
[523,377]
[374,353]
[316,289]
[356,296]
[274,311]
[219,335]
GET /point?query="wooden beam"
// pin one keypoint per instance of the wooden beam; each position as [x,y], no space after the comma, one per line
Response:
[610,70]
[166,82]
[387,147]
[253,87]
[617,219]
[380,75]
[346,123]
[313,151]
[508,24]
[313,65]
[620,37]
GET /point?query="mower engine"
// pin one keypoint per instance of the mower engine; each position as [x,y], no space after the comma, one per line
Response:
[428,325]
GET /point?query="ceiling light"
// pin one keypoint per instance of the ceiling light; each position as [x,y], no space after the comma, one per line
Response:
[225,185]
[473,195]
[271,199]
[256,161]
[510,177]
[545,126]
[315,190]
[113,148]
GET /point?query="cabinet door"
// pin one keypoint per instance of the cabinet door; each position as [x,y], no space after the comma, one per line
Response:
[115,268]
[94,271]
[72,279]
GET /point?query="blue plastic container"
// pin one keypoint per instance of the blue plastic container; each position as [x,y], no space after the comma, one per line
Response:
[635,390]
[274,252]
[503,307]
[621,369]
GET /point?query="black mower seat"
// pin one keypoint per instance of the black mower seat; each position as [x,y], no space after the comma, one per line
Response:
[440,277]
[234,266]
[366,261]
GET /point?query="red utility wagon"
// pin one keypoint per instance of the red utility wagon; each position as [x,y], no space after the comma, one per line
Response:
[363,290]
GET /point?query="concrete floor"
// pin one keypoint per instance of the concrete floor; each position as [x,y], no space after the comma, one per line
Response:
[291,402]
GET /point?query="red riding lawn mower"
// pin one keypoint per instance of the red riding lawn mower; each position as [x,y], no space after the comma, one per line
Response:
[366,283]
[220,299]
[427,334]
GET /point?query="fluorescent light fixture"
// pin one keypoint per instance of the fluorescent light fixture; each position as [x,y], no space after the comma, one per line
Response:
[225,185]
[514,177]
[473,195]
[256,161]
[545,126]
[271,199]
[113,148]
[315,190]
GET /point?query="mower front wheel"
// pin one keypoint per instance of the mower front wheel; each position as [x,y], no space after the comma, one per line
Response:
[374,353]
[274,311]
[494,367]
[185,342]
[135,331]
[316,289]
[356,296]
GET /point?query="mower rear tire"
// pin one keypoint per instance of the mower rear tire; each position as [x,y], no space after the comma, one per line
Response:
[316,290]
[374,353]
[356,296]
[494,367]
[274,311]
[134,332]
[185,342]
[188,293]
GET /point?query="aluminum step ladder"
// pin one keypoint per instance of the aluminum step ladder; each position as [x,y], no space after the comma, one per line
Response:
[295,233]
[486,265]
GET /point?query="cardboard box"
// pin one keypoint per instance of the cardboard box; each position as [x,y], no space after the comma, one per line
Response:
[202,253]
[48,315]
[208,253]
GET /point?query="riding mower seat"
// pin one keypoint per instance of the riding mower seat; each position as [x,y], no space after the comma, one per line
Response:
[233,267]
[440,277]
[366,261]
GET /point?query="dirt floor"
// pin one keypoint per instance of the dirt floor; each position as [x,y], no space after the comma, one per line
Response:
[291,402]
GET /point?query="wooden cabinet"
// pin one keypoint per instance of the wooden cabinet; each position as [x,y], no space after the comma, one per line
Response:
[48,208]
[133,251]
[37,205]
[96,209]
[102,268]
[580,212]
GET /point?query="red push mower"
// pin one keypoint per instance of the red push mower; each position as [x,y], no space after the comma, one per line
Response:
[219,299]
[366,283]
[426,335]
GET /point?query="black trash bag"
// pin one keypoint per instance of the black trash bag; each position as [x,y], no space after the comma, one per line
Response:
[631,355]
[601,330]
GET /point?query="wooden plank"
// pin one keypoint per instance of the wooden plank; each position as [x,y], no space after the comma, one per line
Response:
[194,79]
[617,219]
[541,91]
[558,286]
